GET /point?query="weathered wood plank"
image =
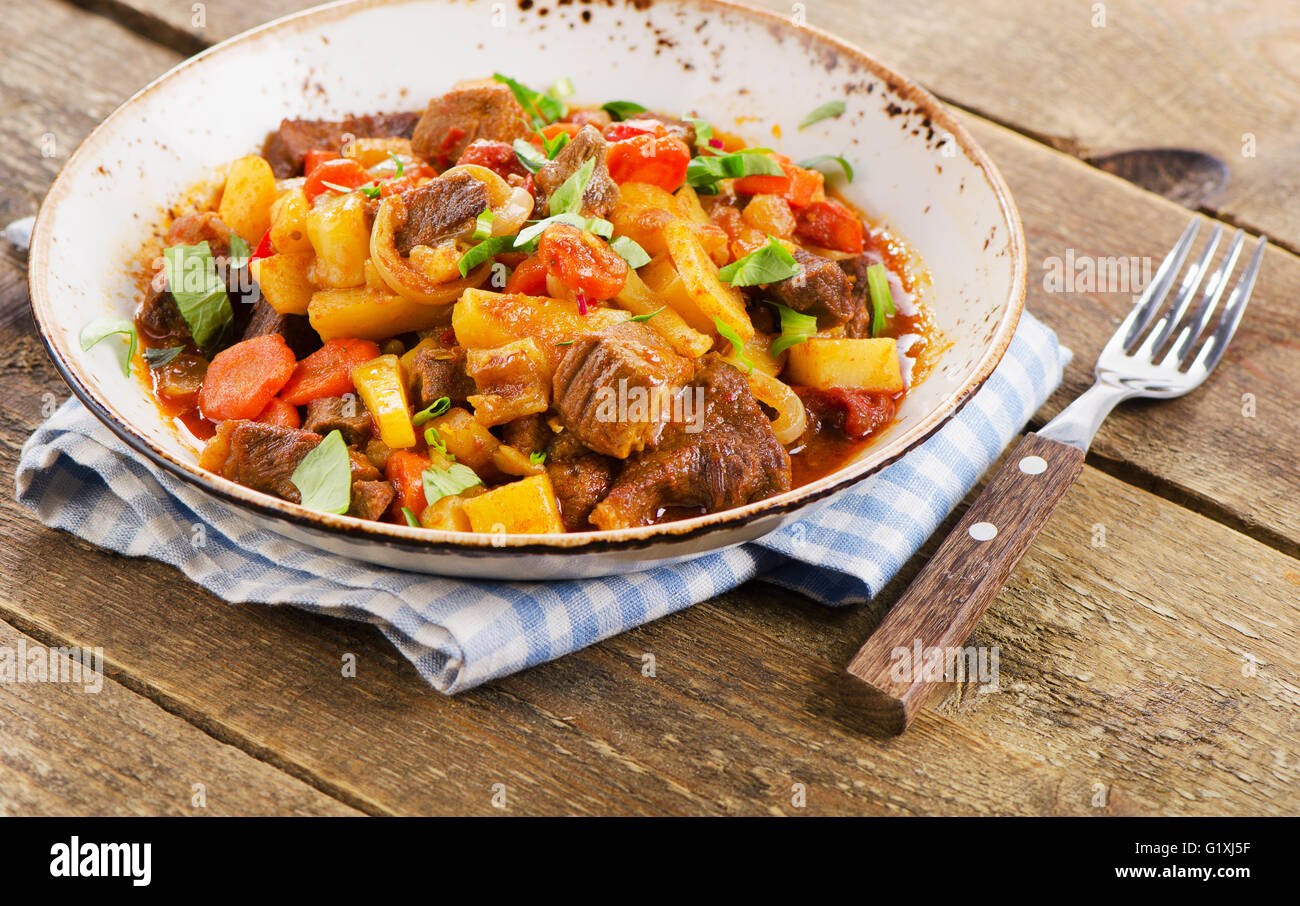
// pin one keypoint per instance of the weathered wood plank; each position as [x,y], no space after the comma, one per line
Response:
[97,748]
[1219,78]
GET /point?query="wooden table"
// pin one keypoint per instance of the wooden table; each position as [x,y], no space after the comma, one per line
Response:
[1148,642]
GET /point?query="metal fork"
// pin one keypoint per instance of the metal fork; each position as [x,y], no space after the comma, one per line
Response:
[1157,352]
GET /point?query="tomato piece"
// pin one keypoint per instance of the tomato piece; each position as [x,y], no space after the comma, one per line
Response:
[327,371]
[405,469]
[855,413]
[346,173]
[805,185]
[831,225]
[396,186]
[582,262]
[244,378]
[529,277]
[658,160]
[265,249]
[278,412]
[617,132]
[499,157]
[315,157]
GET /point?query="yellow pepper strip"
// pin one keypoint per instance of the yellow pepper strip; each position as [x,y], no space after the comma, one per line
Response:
[379,384]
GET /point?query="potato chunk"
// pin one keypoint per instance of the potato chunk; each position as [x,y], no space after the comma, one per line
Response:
[527,507]
[247,198]
[865,364]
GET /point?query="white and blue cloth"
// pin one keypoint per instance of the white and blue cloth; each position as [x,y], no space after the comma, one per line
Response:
[75,475]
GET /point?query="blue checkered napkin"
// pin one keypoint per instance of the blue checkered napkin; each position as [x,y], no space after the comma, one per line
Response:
[75,475]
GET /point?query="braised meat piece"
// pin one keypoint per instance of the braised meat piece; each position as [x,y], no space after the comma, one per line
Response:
[287,147]
[296,329]
[602,192]
[204,226]
[823,289]
[528,435]
[160,320]
[859,324]
[370,499]
[614,390]
[728,458]
[258,456]
[441,372]
[472,110]
[333,413]
[443,207]
[581,478]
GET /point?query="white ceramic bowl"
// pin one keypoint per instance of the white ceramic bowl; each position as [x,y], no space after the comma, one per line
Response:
[917,170]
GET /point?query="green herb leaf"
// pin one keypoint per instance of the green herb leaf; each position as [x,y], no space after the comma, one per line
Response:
[324,477]
[529,157]
[630,251]
[440,483]
[564,343]
[795,328]
[553,146]
[622,110]
[882,300]
[704,173]
[824,112]
[436,408]
[336,187]
[824,160]
[199,292]
[156,358]
[567,199]
[537,458]
[737,344]
[770,264]
[528,235]
[101,328]
[648,315]
[397,162]
[483,224]
[541,107]
[482,252]
[239,252]
[703,131]
[409,515]
[370,189]
[563,88]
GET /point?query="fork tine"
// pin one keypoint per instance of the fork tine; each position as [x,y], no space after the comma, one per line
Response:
[1154,295]
[1194,324]
[1214,347]
[1186,293]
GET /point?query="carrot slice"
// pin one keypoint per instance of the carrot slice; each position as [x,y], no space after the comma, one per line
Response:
[327,371]
[278,412]
[405,470]
[244,378]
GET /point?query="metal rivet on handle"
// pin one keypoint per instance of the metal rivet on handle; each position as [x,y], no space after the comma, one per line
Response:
[984,531]
[1033,465]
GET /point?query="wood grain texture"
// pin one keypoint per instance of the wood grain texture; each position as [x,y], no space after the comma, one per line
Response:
[1152,673]
[940,609]
[96,748]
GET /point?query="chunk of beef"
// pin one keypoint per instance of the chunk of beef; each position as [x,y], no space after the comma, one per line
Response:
[725,459]
[258,456]
[601,194]
[334,413]
[160,321]
[823,289]
[443,207]
[530,434]
[859,324]
[441,372]
[287,147]
[614,390]
[370,499]
[512,381]
[581,478]
[472,110]
[296,329]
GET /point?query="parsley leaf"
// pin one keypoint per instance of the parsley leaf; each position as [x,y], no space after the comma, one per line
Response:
[882,300]
[553,146]
[543,108]
[436,408]
[324,477]
[704,173]
[528,236]
[567,199]
[770,264]
[824,112]
[622,110]
[822,160]
[102,328]
[239,253]
[199,292]
[440,483]
[703,130]
[795,329]
[630,251]
[737,344]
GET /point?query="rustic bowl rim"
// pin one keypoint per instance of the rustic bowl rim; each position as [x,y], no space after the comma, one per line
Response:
[430,541]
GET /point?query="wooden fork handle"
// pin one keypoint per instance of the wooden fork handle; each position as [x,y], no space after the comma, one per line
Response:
[940,608]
